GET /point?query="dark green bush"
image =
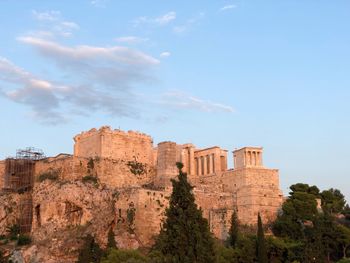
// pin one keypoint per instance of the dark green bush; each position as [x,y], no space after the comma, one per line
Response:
[23,240]
[13,231]
[51,174]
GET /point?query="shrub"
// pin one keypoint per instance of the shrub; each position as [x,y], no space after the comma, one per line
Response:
[137,168]
[90,251]
[120,256]
[90,179]
[13,231]
[52,174]
[23,240]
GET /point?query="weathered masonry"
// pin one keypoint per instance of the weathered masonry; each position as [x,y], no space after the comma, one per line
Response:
[141,172]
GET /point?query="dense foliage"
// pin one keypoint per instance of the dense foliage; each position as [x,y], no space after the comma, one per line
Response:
[185,235]
[261,247]
[312,226]
[90,252]
[111,240]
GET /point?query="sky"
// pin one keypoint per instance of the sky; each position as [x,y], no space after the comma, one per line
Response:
[235,73]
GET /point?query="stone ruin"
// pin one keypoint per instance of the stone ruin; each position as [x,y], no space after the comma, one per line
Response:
[139,174]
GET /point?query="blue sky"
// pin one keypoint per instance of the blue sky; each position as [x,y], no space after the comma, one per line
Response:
[228,73]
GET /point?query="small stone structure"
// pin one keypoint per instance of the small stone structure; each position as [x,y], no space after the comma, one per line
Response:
[140,175]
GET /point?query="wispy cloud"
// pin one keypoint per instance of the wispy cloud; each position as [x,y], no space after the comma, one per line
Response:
[159,21]
[99,3]
[227,7]
[28,90]
[54,24]
[189,24]
[131,39]
[165,54]
[51,15]
[180,100]
[103,79]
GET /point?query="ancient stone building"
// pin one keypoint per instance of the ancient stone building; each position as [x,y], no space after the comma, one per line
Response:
[139,173]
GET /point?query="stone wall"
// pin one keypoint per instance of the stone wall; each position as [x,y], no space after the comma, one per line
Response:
[2,174]
[111,172]
[255,190]
[114,144]
[168,155]
[149,207]
[62,165]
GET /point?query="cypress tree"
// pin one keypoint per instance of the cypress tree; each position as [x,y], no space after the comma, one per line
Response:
[185,235]
[233,231]
[90,252]
[111,240]
[261,248]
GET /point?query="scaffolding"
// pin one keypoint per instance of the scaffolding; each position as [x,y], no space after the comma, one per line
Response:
[19,177]
[19,171]
[25,212]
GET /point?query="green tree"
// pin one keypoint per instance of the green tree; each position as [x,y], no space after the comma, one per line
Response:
[333,201]
[233,231]
[261,247]
[343,238]
[111,239]
[90,252]
[185,235]
[124,256]
[299,209]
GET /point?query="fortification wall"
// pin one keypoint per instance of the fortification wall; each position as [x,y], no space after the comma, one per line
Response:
[2,174]
[115,144]
[149,207]
[62,167]
[168,155]
[112,172]
[254,189]
[88,144]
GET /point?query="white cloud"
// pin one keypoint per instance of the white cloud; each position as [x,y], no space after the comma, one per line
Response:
[70,25]
[99,3]
[159,21]
[165,54]
[96,78]
[52,102]
[180,100]
[131,39]
[51,15]
[189,24]
[165,19]
[62,54]
[54,24]
[227,7]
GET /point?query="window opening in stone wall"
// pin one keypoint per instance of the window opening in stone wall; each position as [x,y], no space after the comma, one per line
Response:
[37,215]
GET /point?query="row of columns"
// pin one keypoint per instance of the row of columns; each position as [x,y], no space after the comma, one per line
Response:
[205,164]
[252,158]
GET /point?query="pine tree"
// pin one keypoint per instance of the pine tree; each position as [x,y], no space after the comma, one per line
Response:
[185,235]
[111,240]
[233,232]
[261,248]
[90,252]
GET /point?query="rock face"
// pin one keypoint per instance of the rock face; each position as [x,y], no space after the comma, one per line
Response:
[118,180]
[9,211]
[66,211]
